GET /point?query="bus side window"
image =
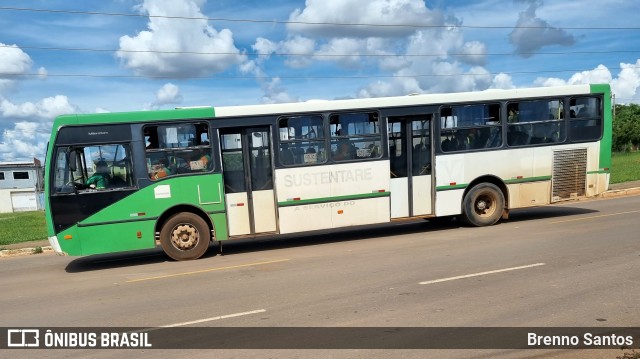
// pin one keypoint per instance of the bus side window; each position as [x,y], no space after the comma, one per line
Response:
[535,122]
[470,127]
[177,149]
[302,140]
[355,135]
[586,119]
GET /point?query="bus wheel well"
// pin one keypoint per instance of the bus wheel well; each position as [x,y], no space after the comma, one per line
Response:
[181,209]
[493,180]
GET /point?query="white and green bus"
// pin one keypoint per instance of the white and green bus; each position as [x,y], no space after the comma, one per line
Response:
[184,178]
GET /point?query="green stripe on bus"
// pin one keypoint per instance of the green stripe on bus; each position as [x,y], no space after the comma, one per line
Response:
[527,179]
[334,199]
[137,116]
[91,224]
[448,188]
[507,181]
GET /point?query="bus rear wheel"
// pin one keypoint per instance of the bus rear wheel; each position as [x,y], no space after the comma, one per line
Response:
[483,205]
[185,236]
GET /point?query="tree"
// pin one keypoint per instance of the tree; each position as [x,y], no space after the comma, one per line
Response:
[626,127]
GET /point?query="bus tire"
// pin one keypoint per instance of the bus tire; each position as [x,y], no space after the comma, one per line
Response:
[185,236]
[483,205]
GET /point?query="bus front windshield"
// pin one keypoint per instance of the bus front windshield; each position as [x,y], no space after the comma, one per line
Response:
[92,168]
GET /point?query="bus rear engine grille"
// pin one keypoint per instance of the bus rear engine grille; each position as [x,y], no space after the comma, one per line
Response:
[569,174]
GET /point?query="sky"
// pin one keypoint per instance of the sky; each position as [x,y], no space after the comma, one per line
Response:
[61,57]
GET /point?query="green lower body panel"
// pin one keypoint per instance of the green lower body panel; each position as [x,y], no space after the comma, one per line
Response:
[115,237]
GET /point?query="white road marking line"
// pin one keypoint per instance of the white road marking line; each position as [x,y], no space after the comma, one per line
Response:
[213,318]
[481,273]
[206,270]
[591,217]
[199,321]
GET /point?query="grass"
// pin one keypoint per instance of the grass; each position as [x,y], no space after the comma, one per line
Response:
[30,226]
[625,167]
[22,227]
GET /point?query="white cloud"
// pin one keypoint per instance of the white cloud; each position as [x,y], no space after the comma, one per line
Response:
[417,56]
[298,48]
[398,86]
[382,12]
[25,141]
[474,53]
[26,127]
[600,74]
[302,47]
[45,109]
[14,62]
[43,73]
[453,78]
[274,92]
[442,70]
[549,82]
[301,50]
[252,67]
[168,94]
[533,33]
[502,81]
[173,47]
[626,85]
[264,47]
[348,51]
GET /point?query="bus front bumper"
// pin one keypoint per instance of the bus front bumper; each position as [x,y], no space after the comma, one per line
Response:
[53,241]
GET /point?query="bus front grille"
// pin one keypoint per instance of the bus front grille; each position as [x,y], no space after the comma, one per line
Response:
[569,174]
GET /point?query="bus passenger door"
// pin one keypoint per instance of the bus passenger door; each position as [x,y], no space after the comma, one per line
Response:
[248,180]
[410,157]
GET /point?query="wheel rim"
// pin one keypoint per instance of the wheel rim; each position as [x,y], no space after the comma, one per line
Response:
[184,236]
[485,205]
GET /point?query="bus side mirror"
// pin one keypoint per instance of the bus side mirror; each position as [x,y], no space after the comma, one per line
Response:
[73,160]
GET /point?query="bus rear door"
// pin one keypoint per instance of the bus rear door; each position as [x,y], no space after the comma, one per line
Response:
[248,179]
[410,156]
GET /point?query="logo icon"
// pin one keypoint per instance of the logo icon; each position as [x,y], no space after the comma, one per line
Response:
[23,338]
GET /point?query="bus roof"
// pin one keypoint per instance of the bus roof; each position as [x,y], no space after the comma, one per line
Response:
[135,116]
[319,106]
[409,100]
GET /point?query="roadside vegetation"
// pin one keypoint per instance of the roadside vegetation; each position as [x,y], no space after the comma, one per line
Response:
[626,128]
[625,164]
[22,227]
[625,167]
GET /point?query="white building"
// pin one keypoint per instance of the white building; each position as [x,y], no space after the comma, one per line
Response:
[21,185]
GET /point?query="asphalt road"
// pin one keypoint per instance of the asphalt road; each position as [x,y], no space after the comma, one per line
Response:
[569,265]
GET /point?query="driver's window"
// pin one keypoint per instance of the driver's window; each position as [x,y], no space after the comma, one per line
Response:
[92,168]
[62,182]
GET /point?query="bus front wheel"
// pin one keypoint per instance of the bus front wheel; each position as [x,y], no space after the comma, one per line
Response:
[483,205]
[185,236]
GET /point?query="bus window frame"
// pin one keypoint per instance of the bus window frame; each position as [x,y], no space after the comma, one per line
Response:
[338,140]
[599,118]
[466,129]
[561,123]
[284,149]
[178,152]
